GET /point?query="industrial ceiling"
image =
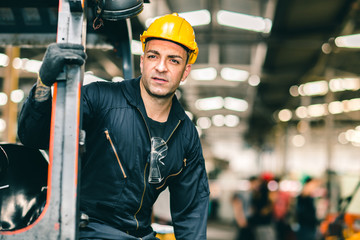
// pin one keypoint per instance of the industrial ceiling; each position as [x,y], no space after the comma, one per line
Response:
[299,48]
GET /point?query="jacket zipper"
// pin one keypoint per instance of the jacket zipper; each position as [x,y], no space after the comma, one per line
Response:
[142,197]
[115,152]
[173,131]
[171,175]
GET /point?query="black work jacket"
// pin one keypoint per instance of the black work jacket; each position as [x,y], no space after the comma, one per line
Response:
[115,168]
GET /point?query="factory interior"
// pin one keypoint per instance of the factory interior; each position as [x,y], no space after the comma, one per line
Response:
[274,93]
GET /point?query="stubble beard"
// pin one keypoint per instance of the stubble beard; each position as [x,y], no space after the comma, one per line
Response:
[159,96]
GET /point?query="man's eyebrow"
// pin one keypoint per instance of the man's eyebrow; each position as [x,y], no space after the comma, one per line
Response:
[154,52]
[170,56]
[175,56]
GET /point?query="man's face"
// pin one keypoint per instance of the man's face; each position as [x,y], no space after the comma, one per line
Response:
[163,67]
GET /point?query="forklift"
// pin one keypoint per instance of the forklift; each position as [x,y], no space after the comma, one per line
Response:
[45,205]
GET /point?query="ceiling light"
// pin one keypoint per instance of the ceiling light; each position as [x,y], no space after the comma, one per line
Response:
[205,74]
[316,110]
[301,112]
[17,95]
[342,84]
[352,135]
[27,64]
[32,66]
[197,18]
[294,91]
[4,60]
[326,48]
[285,115]
[336,107]
[244,21]
[342,138]
[218,120]
[203,122]
[348,41]
[314,88]
[232,74]
[254,80]
[231,120]
[353,104]
[136,47]
[298,140]
[235,104]
[2,125]
[211,103]
[3,98]
[17,63]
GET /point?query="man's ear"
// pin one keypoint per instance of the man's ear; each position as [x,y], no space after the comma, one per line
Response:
[186,72]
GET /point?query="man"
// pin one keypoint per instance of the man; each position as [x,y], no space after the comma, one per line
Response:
[306,210]
[243,211]
[138,138]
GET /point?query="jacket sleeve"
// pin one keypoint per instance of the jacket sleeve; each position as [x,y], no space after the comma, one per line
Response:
[35,117]
[34,122]
[189,196]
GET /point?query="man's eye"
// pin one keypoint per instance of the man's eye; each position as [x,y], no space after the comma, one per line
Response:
[175,61]
[151,56]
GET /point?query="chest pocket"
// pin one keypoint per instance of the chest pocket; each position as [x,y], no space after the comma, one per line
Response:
[116,155]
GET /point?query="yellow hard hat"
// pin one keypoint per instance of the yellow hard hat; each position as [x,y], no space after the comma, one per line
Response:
[174,28]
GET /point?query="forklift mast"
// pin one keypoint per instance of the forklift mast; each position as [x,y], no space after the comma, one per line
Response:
[59,218]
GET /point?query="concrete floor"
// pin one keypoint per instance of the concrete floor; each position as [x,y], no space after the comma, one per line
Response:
[220,231]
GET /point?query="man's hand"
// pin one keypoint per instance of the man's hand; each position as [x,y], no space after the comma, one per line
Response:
[55,58]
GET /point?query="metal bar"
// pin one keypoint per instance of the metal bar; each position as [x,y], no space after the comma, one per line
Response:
[66,140]
[127,57]
[11,83]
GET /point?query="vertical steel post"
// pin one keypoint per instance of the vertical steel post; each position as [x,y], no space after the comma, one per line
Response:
[127,57]
[65,126]
[10,83]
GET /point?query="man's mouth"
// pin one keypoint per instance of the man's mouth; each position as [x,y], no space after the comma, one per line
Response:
[159,79]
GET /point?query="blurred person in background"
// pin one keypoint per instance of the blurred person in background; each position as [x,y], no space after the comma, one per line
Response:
[263,210]
[306,210]
[243,211]
[283,202]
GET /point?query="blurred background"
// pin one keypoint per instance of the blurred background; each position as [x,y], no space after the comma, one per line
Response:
[274,95]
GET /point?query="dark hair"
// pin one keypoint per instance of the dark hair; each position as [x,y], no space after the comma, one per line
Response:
[307,179]
[253,178]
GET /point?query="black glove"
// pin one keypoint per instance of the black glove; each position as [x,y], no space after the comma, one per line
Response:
[55,58]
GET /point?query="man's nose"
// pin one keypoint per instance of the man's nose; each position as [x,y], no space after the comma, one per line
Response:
[161,66]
